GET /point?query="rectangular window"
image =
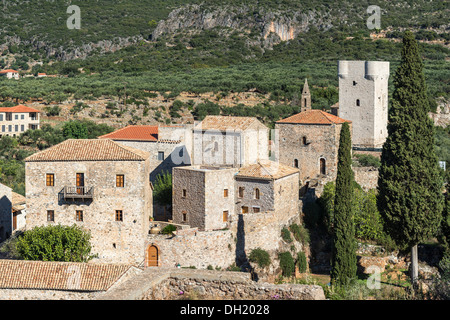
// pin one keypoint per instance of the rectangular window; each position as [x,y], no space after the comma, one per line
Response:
[256,209]
[22,127]
[50,180]
[184,216]
[225,193]
[3,128]
[241,192]
[225,216]
[184,193]
[160,156]
[50,215]
[1,117]
[16,127]
[22,116]
[120,180]
[119,215]
[79,215]
[10,128]
[16,117]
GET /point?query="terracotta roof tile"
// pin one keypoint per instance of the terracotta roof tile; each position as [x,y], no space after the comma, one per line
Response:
[17,199]
[266,169]
[223,123]
[89,150]
[8,70]
[313,117]
[136,133]
[19,108]
[49,275]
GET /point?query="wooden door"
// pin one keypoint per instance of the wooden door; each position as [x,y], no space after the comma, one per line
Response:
[14,220]
[80,183]
[152,256]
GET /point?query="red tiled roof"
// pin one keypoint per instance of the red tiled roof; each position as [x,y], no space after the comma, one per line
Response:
[136,133]
[313,117]
[8,70]
[89,150]
[49,275]
[19,109]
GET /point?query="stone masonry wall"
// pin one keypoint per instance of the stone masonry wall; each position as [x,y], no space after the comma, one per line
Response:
[5,211]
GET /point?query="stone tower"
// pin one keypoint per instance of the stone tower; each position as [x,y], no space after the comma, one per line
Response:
[306,97]
[363,99]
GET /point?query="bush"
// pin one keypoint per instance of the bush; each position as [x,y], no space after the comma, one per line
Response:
[55,243]
[301,262]
[287,263]
[169,229]
[300,233]
[286,235]
[368,160]
[260,256]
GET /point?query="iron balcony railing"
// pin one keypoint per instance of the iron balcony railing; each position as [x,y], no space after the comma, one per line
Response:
[78,192]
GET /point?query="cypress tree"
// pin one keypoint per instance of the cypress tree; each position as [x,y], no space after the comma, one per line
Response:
[344,245]
[410,198]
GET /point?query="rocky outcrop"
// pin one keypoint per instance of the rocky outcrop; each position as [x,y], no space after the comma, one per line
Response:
[272,27]
[442,116]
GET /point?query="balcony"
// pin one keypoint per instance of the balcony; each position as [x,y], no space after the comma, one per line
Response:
[77,193]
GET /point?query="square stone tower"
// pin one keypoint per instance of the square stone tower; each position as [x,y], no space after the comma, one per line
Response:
[363,99]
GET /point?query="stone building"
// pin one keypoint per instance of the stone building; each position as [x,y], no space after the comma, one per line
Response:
[267,186]
[363,99]
[203,197]
[5,212]
[97,184]
[309,141]
[169,146]
[18,119]
[230,141]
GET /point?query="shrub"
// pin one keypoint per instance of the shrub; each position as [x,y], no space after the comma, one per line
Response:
[300,233]
[301,262]
[260,256]
[286,235]
[368,160]
[169,229]
[287,263]
[55,243]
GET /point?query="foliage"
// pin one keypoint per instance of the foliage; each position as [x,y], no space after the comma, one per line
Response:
[55,243]
[75,130]
[169,229]
[410,197]
[300,233]
[286,235]
[162,189]
[259,256]
[344,244]
[287,263]
[302,262]
[368,160]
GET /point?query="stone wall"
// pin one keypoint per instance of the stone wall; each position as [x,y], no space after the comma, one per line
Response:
[5,212]
[366,177]
[322,142]
[30,294]
[170,284]
[114,241]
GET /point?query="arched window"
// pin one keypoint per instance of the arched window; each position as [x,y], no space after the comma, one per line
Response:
[257,193]
[296,163]
[323,166]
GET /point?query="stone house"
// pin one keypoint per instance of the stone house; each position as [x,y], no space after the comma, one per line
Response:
[12,212]
[169,146]
[267,186]
[230,141]
[309,141]
[363,99]
[10,74]
[97,184]
[203,197]
[18,119]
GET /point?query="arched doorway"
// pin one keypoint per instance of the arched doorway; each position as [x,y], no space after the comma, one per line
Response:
[152,256]
[323,166]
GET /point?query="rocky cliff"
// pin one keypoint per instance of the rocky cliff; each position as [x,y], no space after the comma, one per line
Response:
[268,26]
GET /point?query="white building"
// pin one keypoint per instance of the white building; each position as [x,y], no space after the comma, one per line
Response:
[10,74]
[18,119]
